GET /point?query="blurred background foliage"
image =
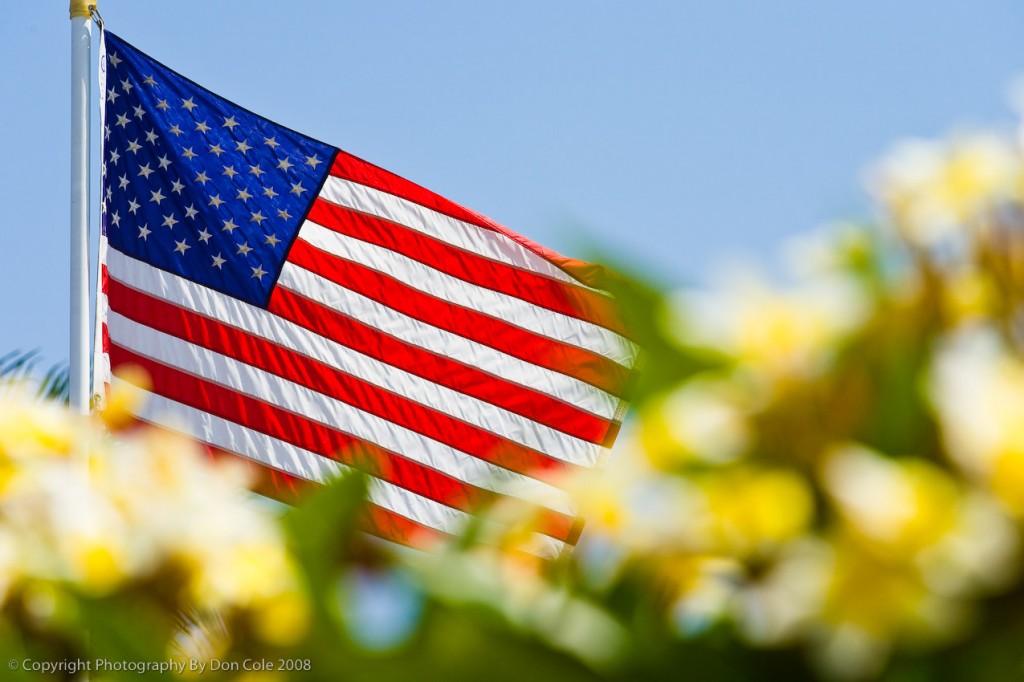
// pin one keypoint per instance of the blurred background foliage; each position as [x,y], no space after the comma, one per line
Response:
[820,479]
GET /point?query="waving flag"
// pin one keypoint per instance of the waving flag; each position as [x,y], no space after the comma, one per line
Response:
[308,311]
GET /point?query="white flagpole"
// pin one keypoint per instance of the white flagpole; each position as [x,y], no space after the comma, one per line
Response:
[81,112]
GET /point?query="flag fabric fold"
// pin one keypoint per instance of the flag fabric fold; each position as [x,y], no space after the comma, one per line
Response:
[307,311]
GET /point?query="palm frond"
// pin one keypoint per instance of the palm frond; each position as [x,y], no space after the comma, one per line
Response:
[20,366]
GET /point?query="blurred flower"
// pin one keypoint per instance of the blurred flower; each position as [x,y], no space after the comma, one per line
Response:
[912,548]
[701,421]
[752,511]
[977,390]
[933,189]
[635,507]
[775,334]
[898,506]
[149,501]
[784,603]
[706,586]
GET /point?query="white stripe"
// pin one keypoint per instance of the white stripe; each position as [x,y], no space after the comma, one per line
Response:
[554,325]
[479,413]
[483,242]
[467,468]
[186,294]
[263,385]
[259,447]
[310,285]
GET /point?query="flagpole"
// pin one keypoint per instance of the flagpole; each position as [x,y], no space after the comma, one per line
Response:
[81,111]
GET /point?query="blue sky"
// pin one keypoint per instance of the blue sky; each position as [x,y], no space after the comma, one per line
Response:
[676,134]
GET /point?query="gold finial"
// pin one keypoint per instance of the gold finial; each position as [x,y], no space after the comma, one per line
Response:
[82,8]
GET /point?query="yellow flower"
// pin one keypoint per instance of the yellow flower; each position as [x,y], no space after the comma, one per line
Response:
[969,295]
[932,189]
[634,506]
[977,390]
[282,619]
[751,511]
[898,506]
[881,602]
[31,429]
[700,421]
[775,334]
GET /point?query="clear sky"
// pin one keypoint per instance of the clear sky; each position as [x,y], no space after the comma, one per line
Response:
[676,133]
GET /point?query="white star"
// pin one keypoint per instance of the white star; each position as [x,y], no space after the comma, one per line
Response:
[204,235]
[216,201]
[297,189]
[216,149]
[269,192]
[127,86]
[133,206]
[157,196]
[218,261]
[122,120]
[272,240]
[176,186]
[144,233]
[139,112]
[188,104]
[134,146]
[243,194]
[169,221]
[164,162]
[149,81]
[202,127]
[176,130]
[230,171]
[112,95]
[284,164]
[283,214]
[242,147]
[313,161]
[256,170]
[191,211]
[106,133]
[229,225]
[122,182]
[189,154]
[230,123]
[151,136]
[258,272]
[258,217]
[109,194]
[103,170]
[202,178]
[271,142]
[162,104]
[114,156]
[115,219]
[114,59]
[244,249]
[145,171]
[181,247]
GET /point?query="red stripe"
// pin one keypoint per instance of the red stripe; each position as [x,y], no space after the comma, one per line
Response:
[315,437]
[574,301]
[329,381]
[467,379]
[355,169]
[582,364]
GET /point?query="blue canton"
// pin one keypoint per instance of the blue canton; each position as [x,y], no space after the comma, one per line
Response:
[196,185]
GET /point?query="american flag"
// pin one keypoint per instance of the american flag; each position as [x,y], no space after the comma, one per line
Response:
[308,311]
